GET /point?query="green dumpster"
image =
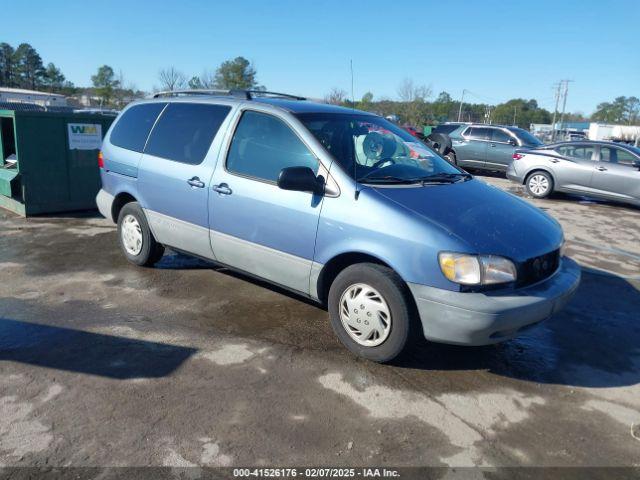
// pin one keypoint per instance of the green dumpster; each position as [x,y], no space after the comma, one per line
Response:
[49,160]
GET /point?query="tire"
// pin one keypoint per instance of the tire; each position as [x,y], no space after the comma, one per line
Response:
[135,237]
[539,184]
[378,281]
[451,158]
[443,142]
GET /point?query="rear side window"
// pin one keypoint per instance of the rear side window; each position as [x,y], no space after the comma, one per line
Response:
[185,131]
[478,133]
[263,145]
[581,152]
[445,128]
[133,127]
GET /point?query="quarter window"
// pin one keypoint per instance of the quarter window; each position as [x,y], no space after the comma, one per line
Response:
[185,131]
[262,146]
[133,127]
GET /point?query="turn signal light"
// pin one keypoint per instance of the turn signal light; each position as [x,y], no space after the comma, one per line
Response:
[100,160]
[517,156]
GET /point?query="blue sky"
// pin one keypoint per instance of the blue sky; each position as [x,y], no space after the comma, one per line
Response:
[495,49]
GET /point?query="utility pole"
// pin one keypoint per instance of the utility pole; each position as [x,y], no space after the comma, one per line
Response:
[461,102]
[515,114]
[555,111]
[564,101]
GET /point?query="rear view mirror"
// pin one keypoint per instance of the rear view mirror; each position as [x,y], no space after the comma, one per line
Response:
[513,141]
[300,179]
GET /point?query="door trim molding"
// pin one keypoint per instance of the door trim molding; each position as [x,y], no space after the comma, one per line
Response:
[173,232]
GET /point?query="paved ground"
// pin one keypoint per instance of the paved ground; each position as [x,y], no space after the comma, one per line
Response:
[103,363]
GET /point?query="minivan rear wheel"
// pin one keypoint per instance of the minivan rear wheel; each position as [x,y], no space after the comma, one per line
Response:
[371,311]
[539,184]
[135,237]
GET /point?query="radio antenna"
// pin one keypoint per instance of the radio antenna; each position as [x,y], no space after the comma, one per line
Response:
[353,107]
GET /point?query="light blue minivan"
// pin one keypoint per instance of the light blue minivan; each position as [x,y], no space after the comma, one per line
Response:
[338,205]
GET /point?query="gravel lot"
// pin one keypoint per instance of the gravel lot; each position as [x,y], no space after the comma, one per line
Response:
[106,364]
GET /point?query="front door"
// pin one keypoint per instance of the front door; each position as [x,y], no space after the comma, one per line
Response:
[615,176]
[256,226]
[500,150]
[173,177]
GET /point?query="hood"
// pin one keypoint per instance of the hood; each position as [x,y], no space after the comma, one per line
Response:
[483,217]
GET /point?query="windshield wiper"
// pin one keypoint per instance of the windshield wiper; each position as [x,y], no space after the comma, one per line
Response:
[388,179]
[434,178]
[445,178]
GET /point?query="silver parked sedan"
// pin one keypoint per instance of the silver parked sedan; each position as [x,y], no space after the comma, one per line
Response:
[604,170]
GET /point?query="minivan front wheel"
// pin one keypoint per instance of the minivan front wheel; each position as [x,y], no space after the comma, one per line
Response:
[136,240]
[371,311]
[539,184]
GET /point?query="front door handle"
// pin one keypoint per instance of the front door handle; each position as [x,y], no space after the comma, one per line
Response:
[492,145]
[196,182]
[601,169]
[222,189]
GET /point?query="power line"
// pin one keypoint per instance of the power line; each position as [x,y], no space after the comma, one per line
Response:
[555,111]
[564,102]
[562,90]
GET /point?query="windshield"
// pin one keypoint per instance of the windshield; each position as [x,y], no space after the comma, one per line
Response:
[377,151]
[634,149]
[526,137]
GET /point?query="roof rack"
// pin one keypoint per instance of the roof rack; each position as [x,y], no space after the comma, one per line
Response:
[198,91]
[246,94]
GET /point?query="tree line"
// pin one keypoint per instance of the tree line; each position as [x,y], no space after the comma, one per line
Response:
[415,107]
[22,67]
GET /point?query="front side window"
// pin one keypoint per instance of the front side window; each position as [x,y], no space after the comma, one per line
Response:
[580,152]
[526,138]
[373,150]
[500,136]
[616,155]
[263,145]
[185,131]
[133,127]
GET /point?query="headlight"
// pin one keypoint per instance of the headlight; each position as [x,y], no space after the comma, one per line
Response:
[476,269]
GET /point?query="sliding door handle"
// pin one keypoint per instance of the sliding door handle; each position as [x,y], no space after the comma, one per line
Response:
[222,189]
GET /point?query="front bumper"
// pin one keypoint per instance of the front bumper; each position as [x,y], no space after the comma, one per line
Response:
[491,317]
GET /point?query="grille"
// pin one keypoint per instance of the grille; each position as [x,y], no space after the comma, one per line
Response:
[538,268]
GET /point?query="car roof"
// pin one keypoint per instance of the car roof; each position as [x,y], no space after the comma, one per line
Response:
[587,142]
[290,104]
[307,106]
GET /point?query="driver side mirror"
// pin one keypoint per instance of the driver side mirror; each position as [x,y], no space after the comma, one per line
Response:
[636,164]
[300,179]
